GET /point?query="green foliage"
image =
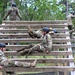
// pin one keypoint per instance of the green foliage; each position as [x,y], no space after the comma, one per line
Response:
[3,6]
[38,9]
[41,10]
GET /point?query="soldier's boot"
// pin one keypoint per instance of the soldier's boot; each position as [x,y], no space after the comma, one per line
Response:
[30,32]
[31,50]
[33,64]
[29,28]
[29,46]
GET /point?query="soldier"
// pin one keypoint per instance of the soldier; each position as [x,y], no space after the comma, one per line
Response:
[13,13]
[45,46]
[70,24]
[5,62]
[38,33]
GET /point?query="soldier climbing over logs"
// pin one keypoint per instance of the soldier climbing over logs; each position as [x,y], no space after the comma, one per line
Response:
[44,46]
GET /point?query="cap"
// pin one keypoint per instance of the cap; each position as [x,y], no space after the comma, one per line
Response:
[2,44]
[14,5]
[46,29]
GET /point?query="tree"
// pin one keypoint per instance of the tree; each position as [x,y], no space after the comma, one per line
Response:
[3,6]
[39,9]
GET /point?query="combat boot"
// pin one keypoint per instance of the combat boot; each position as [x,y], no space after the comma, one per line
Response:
[30,32]
[29,28]
[33,64]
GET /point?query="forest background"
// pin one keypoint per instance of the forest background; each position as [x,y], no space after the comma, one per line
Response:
[39,9]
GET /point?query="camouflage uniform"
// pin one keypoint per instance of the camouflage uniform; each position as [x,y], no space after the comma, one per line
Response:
[70,24]
[13,14]
[35,34]
[38,33]
[46,44]
[46,41]
[7,63]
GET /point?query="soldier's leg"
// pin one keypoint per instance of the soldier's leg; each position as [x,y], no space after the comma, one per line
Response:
[31,50]
[26,47]
[30,32]
[25,64]
[17,64]
[8,63]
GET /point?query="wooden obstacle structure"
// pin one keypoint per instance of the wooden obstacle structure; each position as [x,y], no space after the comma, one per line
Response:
[59,59]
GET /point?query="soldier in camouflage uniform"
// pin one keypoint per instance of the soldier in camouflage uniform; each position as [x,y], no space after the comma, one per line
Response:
[5,62]
[45,46]
[70,24]
[38,34]
[13,13]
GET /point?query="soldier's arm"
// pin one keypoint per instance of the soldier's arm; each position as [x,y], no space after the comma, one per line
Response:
[18,14]
[8,13]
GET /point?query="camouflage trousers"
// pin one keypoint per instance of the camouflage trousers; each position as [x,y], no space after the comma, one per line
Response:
[9,63]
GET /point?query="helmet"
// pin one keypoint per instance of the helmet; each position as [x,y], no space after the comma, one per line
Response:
[2,45]
[46,29]
[14,5]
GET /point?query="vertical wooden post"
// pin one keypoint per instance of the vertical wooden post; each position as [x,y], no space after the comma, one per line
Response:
[71,64]
[67,8]
[57,72]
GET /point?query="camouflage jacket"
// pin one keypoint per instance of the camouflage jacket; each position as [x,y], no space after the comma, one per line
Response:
[13,14]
